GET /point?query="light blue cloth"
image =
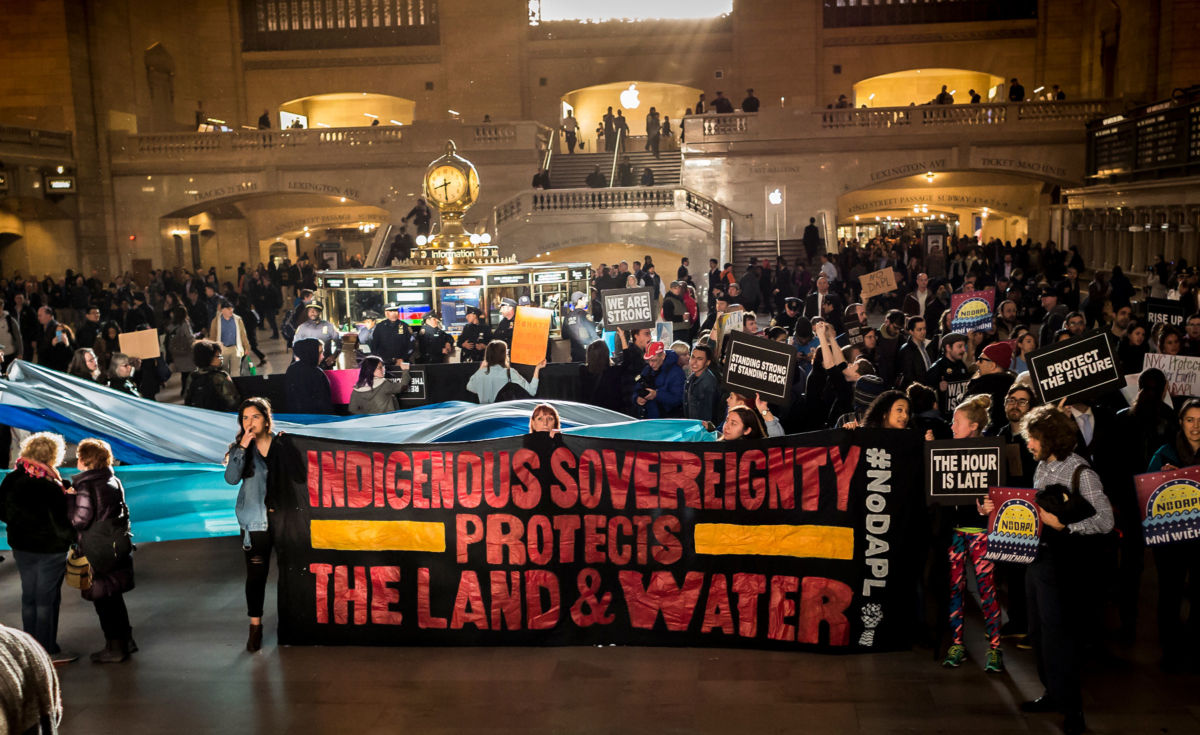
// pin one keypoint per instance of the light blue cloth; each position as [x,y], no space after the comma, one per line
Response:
[36,398]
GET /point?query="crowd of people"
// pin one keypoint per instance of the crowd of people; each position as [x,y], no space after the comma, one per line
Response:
[909,371]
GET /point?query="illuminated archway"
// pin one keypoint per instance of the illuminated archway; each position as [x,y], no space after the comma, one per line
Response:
[590,103]
[919,86]
[347,110]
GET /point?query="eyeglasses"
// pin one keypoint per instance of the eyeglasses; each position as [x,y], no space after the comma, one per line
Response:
[1022,402]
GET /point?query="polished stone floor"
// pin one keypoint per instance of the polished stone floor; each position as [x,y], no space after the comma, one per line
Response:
[193,676]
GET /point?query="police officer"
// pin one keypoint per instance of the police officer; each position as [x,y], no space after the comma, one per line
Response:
[433,344]
[474,337]
[319,329]
[789,316]
[504,330]
[578,327]
[392,339]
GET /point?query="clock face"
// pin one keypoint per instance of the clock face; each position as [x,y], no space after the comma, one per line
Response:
[473,181]
[446,184]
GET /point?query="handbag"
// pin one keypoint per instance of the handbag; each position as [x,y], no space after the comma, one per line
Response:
[1068,505]
[79,571]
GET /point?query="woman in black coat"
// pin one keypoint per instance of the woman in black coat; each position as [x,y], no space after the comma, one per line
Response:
[306,385]
[101,519]
[33,502]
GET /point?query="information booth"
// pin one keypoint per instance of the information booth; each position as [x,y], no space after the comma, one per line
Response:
[448,291]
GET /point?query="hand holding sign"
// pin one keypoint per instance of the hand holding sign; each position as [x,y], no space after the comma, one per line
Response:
[628,308]
[531,331]
[879,282]
[760,367]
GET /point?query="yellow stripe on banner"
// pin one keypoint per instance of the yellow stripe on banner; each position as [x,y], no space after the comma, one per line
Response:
[816,542]
[378,535]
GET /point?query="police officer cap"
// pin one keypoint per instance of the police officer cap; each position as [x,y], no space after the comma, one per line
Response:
[576,295]
[314,305]
[371,314]
[507,302]
[792,300]
[391,307]
[475,310]
[523,301]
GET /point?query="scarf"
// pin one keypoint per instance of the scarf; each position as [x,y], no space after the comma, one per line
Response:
[33,468]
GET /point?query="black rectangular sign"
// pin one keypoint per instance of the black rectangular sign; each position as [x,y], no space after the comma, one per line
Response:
[1164,311]
[415,392]
[1078,368]
[409,282]
[960,470]
[759,366]
[508,279]
[628,308]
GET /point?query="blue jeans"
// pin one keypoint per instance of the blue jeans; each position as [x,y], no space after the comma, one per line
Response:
[41,593]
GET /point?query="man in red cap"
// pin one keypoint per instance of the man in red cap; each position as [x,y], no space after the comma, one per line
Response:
[994,379]
[658,392]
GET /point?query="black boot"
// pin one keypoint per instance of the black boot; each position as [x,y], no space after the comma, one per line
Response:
[254,642]
[116,652]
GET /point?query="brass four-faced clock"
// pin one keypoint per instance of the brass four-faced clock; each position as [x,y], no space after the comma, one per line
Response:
[451,183]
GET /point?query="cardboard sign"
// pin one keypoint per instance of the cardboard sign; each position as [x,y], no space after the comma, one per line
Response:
[1170,505]
[1014,527]
[1164,311]
[1183,372]
[958,471]
[972,311]
[142,345]
[531,332]
[415,392]
[628,308]
[758,365]
[1078,368]
[881,281]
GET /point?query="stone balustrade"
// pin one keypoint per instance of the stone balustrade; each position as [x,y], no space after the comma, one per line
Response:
[781,124]
[599,201]
[250,147]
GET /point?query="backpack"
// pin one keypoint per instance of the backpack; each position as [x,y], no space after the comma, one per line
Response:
[287,329]
[201,392]
[511,391]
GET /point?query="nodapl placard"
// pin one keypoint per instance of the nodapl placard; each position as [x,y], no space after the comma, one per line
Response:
[1081,367]
[796,543]
[1015,526]
[1170,503]
[959,471]
[972,311]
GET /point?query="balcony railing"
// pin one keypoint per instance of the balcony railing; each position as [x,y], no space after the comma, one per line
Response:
[849,13]
[603,201]
[35,142]
[1031,117]
[255,147]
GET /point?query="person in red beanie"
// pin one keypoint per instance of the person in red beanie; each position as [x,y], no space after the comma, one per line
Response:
[994,379]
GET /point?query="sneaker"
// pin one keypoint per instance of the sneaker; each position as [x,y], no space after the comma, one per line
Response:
[955,656]
[995,661]
[63,657]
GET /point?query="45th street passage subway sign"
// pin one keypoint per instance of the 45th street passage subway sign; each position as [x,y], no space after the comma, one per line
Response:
[800,542]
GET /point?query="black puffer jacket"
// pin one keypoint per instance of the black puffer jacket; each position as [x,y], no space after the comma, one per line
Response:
[101,519]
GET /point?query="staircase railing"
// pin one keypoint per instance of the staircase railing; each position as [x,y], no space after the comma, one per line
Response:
[612,176]
[550,150]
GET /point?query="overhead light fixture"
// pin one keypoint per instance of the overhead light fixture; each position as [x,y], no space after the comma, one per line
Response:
[953,91]
[367,114]
[322,125]
[343,200]
[421,239]
[395,122]
[454,112]
[930,176]
[486,237]
[1039,89]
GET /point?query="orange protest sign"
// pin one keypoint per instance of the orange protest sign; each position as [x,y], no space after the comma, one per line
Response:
[531,331]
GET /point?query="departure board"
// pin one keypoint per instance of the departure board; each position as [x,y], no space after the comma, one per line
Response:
[1160,140]
[1160,137]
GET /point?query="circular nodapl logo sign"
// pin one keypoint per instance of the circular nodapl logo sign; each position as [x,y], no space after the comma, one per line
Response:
[1171,510]
[1014,536]
[973,310]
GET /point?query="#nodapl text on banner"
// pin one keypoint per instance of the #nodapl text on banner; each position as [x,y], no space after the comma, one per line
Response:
[800,542]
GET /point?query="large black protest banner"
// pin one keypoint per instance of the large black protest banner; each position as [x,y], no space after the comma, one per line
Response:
[957,471]
[628,308]
[759,366]
[1164,311]
[1078,368]
[800,542]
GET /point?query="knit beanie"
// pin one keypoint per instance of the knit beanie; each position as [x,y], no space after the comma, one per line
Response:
[1000,353]
[866,389]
